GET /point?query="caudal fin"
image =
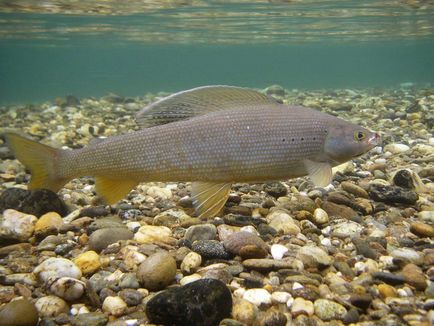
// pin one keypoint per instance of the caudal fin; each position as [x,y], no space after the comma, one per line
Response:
[40,159]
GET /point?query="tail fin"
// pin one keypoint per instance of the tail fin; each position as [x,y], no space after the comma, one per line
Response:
[40,159]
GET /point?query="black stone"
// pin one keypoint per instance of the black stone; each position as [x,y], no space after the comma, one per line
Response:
[362,301]
[352,316]
[202,303]
[389,278]
[35,202]
[210,249]
[275,189]
[392,194]
[403,179]
[94,211]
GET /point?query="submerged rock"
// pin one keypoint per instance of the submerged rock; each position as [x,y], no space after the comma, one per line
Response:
[201,303]
[19,313]
[391,194]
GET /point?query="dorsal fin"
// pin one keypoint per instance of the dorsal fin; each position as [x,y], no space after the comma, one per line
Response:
[198,101]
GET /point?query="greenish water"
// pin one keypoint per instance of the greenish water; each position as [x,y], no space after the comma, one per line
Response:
[134,50]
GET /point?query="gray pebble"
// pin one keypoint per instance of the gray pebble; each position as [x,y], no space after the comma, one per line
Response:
[200,232]
[102,238]
[210,249]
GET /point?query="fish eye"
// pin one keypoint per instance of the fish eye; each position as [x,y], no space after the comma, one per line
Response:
[359,135]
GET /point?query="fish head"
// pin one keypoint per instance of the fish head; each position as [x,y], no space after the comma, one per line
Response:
[346,141]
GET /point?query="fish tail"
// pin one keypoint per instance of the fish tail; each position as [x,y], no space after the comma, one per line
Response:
[40,159]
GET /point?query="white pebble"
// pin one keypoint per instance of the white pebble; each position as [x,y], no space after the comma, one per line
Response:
[326,242]
[56,268]
[17,225]
[51,306]
[396,148]
[250,229]
[297,286]
[278,250]
[431,141]
[239,293]
[302,306]
[320,216]
[280,297]
[114,306]
[257,296]
[191,262]
[68,288]
[380,161]
[190,278]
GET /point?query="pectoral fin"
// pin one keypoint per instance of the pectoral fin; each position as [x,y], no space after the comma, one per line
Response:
[209,198]
[319,172]
[113,190]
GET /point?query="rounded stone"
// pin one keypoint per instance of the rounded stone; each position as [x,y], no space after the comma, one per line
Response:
[415,276]
[246,245]
[56,268]
[88,262]
[258,297]
[320,216]
[67,288]
[204,302]
[153,233]
[157,271]
[210,249]
[90,319]
[354,189]
[387,291]
[301,306]
[329,310]
[51,306]
[114,306]
[244,311]
[17,225]
[191,262]
[396,148]
[49,223]
[282,222]
[102,238]
[314,257]
[278,250]
[422,229]
[19,312]
[201,232]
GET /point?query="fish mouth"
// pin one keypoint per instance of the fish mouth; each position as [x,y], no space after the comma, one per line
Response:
[375,140]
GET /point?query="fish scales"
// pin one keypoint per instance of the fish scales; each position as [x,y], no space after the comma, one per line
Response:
[233,145]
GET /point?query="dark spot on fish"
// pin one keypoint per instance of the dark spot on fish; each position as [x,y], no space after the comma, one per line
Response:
[314,138]
[292,139]
[283,139]
[302,138]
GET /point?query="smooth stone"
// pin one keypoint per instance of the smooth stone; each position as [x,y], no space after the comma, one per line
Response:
[201,232]
[282,222]
[427,216]
[246,244]
[363,248]
[362,301]
[102,238]
[131,297]
[17,225]
[320,216]
[202,303]
[278,250]
[415,276]
[51,306]
[244,311]
[105,222]
[90,319]
[403,178]
[191,262]
[389,278]
[114,305]
[258,297]
[392,194]
[302,306]
[275,90]
[88,262]
[170,218]
[157,271]
[407,254]
[272,317]
[210,249]
[159,193]
[329,310]
[275,189]
[387,291]
[57,268]
[19,312]
[268,264]
[280,297]
[35,202]
[396,148]
[153,233]
[190,278]
[49,223]
[67,288]
[15,248]
[346,229]
[336,210]
[422,229]
[94,211]
[354,189]
[314,257]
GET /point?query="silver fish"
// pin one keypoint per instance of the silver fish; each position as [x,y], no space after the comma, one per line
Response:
[212,136]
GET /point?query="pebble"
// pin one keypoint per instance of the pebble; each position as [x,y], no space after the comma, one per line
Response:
[190,278]
[57,268]
[396,148]
[314,257]
[258,297]
[336,210]
[49,223]
[354,189]
[268,264]
[282,222]
[16,225]
[51,306]
[210,249]
[278,250]
[387,291]
[159,193]
[280,297]
[90,319]
[275,189]
[302,306]
[389,278]
[157,271]
[67,288]
[347,229]
[320,216]
[407,254]
[114,305]
[152,233]
[201,232]
[131,297]
[422,229]
[88,262]
[246,245]
[329,310]
[102,238]
[244,311]
[427,216]
[191,262]
[414,276]
[392,194]
[204,302]
[19,312]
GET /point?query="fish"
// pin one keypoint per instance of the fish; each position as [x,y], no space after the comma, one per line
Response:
[211,136]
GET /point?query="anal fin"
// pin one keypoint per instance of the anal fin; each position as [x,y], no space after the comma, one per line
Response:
[209,198]
[319,172]
[113,190]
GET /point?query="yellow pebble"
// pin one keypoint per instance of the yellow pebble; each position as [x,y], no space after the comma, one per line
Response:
[88,262]
[48,221]
[386,290]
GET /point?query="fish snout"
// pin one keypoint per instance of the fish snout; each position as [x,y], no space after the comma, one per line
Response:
[375,139]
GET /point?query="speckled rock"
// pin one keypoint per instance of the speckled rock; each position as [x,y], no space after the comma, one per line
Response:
[396,148]
[35,202]
[269,264]
[392,194]
[346,229]
[56,268]
[246,245]
[157,271]
[102,238]
[275,189]
[408,254]
[201,232]
[202,303]
[314,257]
[20,312]
[329,310]
[88,262]
[210,249]
[51,306]
[17,225]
